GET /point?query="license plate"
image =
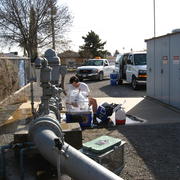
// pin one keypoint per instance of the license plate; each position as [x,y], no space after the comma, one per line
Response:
[84,75]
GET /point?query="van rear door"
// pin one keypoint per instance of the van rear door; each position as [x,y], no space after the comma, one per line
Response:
[130,63]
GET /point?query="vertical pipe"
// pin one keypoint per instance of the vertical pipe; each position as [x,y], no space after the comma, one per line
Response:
[22,160]
[3,161]
[32,98]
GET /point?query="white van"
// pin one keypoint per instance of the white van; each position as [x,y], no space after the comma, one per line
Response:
[132,68]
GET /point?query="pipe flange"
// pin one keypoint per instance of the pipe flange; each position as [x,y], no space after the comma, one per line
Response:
[45,122]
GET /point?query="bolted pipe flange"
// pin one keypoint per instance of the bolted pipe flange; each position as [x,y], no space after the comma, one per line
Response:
[44,122]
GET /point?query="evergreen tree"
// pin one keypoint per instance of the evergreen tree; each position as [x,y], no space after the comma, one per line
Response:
[93,46]
[116,53]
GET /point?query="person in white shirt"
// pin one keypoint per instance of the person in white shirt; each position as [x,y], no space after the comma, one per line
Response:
[75,84]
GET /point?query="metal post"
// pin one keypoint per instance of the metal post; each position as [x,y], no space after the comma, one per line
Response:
[52,24]
[154,14]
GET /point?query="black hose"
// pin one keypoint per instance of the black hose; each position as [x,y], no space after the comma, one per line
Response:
[3,160]
[22,160]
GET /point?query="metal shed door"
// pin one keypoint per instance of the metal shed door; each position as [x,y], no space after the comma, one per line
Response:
[165,69]
[175,70]
[157,68]
[150,68]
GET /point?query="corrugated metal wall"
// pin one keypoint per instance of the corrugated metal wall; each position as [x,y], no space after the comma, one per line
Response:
[163,64]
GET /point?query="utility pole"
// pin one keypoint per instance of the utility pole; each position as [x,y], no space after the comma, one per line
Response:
[52,24]
[154,13]
[154,9]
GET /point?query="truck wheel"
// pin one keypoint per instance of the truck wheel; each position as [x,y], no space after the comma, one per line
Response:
[134,83]
[100,76]
[120,81]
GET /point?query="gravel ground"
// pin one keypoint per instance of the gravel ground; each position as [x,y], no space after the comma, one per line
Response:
[152,152]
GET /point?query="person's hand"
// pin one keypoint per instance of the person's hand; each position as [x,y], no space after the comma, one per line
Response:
[64,92]
[74,104]
[85,94]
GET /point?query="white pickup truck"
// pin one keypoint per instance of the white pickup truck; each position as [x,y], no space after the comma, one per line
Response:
[94,69]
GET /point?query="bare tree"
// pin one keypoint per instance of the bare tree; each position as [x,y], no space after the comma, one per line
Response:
[33,24]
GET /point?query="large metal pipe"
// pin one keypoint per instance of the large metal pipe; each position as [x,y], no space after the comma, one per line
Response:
[44,131]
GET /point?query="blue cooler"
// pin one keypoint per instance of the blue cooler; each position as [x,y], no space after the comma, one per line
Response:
[113,79]
[114,76]
[101,113]
[84,118]
[113,82]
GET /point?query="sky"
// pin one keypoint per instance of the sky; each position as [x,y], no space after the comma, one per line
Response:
[123,24]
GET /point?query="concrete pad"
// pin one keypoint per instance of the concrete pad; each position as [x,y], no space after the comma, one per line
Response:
[150,110]
[22,112]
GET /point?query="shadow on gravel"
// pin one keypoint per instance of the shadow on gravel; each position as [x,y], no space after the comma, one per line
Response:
[159,147]
[123,90]
[9,128]
[90,81]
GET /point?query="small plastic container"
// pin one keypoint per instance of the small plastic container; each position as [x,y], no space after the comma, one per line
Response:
[77,101]
[83,105]
[113,76]
[113,82]
[120,116]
